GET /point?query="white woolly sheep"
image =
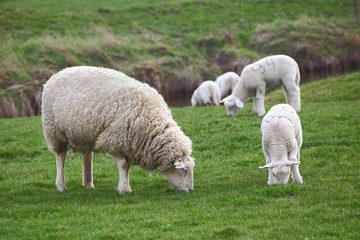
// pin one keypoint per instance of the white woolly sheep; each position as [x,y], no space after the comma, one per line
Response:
[227,83]
[208,93]
[281,143]
[272,71]
[92,109]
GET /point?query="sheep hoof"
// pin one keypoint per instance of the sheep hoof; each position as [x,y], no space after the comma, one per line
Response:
[61,188]
[299,182]
[89,186]
[124,192]
[271,183]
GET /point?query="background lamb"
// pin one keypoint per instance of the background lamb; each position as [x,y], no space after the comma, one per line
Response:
[227,83]
[281,143]
[274,71]
[208,93]
[98,109]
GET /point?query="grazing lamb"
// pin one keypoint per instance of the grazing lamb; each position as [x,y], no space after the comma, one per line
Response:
[281,143]
[93,109]
[227,83]
[208,93]
[256,77]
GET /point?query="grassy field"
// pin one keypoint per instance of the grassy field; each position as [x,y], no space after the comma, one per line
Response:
[231,198]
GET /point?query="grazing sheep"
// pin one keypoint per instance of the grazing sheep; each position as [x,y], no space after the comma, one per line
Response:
[281,143]
[208,93]
[227,83]
[272,71]
[92,109]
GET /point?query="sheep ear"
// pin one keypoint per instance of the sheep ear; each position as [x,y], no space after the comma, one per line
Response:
[292,163]
[239,103]
[223,100]
[179,163]
[267,166]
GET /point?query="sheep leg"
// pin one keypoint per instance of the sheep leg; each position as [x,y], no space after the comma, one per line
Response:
[60,176]
[207,99]
[124,180]
[295,173]
[260,100]
[292,94]
[255,107]
[193,101]
[87,170]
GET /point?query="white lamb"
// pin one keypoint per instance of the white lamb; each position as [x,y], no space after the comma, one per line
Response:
[281,143]
[227,83]
[97,109]
[208,93]
[272,71]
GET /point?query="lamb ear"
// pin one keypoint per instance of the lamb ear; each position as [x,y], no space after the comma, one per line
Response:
[239,103]
[267,166]
[223,100]
[291,163]
[179,163]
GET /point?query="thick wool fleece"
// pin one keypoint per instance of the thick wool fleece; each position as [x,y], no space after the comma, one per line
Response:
[281,132]
[208,93]
[227,83]
[99,109]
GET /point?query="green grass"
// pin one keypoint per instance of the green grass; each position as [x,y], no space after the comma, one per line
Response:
[231,198]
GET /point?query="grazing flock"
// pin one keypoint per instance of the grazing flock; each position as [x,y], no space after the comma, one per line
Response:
[92,109]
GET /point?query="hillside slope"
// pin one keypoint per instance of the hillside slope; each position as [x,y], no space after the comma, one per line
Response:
[172,45]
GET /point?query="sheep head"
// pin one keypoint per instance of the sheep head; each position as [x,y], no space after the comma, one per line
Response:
[233,105]
[280,171]
[181,175]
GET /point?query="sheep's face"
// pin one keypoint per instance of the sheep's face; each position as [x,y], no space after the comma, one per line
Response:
[279,171]
[181,175]
[233,105]
[281,174]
